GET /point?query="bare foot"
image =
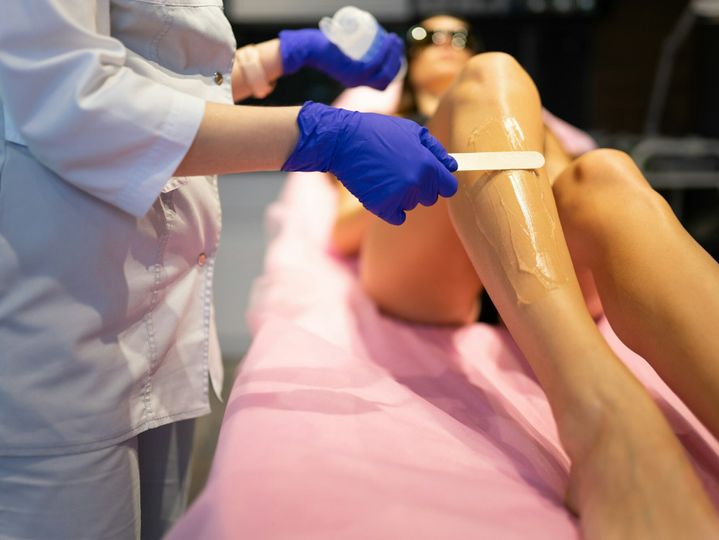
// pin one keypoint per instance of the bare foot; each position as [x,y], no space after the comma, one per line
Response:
[632,479]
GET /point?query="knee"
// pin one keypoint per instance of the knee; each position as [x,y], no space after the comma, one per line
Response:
[601,184]
[606,168]
[485,71]
[605,172]
[490,67]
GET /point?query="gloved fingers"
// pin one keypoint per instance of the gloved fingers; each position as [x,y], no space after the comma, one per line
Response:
[391,49]
[382,77]
[436,180]
[446,182]
[430,199]
[391,212]
[429,174]
[396,217]
[379,77]
[392,46]
[429,196]
[434,146]
[392,59]
[387,63]
[390,70]
[410,200]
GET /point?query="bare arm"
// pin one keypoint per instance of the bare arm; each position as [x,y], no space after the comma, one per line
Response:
[235,138]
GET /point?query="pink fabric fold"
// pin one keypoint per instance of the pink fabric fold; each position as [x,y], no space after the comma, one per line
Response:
[345,423]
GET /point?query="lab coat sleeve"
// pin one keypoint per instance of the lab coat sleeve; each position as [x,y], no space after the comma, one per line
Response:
[82,113]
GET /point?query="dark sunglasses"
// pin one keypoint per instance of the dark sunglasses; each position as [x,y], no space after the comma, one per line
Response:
[419,37]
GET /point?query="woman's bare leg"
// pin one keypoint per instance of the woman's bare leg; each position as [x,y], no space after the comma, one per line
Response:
[420,272]
[352,222]
[660,289]
[630,477]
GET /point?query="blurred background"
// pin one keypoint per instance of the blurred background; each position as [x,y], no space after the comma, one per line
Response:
[639,75]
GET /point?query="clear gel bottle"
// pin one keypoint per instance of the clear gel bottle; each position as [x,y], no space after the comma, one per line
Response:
[357,34]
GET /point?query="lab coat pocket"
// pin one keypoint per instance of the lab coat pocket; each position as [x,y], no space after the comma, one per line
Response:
[199,39]
[188,37]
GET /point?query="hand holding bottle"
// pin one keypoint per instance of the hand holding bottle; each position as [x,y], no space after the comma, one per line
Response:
[311,48]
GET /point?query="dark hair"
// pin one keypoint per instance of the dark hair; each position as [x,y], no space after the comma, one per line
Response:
[408,101]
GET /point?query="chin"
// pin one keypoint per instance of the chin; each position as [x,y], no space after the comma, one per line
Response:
[440,82]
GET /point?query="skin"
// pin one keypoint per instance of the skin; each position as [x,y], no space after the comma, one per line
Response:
[630,477]
[266,135]
[615,243]
[427,231]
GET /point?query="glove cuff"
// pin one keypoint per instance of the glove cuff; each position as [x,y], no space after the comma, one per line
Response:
[292,56]
[320,127]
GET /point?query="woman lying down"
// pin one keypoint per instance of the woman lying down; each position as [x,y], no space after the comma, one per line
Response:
[554,248]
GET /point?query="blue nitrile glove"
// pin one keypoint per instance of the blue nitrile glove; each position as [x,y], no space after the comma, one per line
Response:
[389,164]
[311,48]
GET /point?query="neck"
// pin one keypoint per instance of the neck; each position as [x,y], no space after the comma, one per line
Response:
[427,102]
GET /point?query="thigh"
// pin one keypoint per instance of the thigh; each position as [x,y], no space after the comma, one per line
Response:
[93,495]
[164,462]
[419,271]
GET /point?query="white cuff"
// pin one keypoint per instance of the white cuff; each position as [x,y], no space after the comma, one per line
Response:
[162,158]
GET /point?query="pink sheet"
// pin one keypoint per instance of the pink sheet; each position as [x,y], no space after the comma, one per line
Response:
[344,423]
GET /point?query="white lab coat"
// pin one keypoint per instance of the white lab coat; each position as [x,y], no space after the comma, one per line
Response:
[106,318]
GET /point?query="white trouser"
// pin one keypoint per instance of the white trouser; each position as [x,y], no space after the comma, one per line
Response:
[133,490]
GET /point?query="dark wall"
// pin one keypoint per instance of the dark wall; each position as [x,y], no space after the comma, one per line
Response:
[628,39]
[595,71]
[557,52]
[545,47]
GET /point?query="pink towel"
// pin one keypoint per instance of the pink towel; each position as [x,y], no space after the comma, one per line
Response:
[344,423]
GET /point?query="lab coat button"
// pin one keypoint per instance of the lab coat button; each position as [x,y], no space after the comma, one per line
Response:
[219,79]
[201,259]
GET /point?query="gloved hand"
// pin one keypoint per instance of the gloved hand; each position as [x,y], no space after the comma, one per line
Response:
[311,48]
[389,164]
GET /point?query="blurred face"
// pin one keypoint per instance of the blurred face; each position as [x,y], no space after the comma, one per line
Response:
[437,53]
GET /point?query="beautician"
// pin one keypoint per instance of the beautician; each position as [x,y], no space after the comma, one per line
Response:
[116,115]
